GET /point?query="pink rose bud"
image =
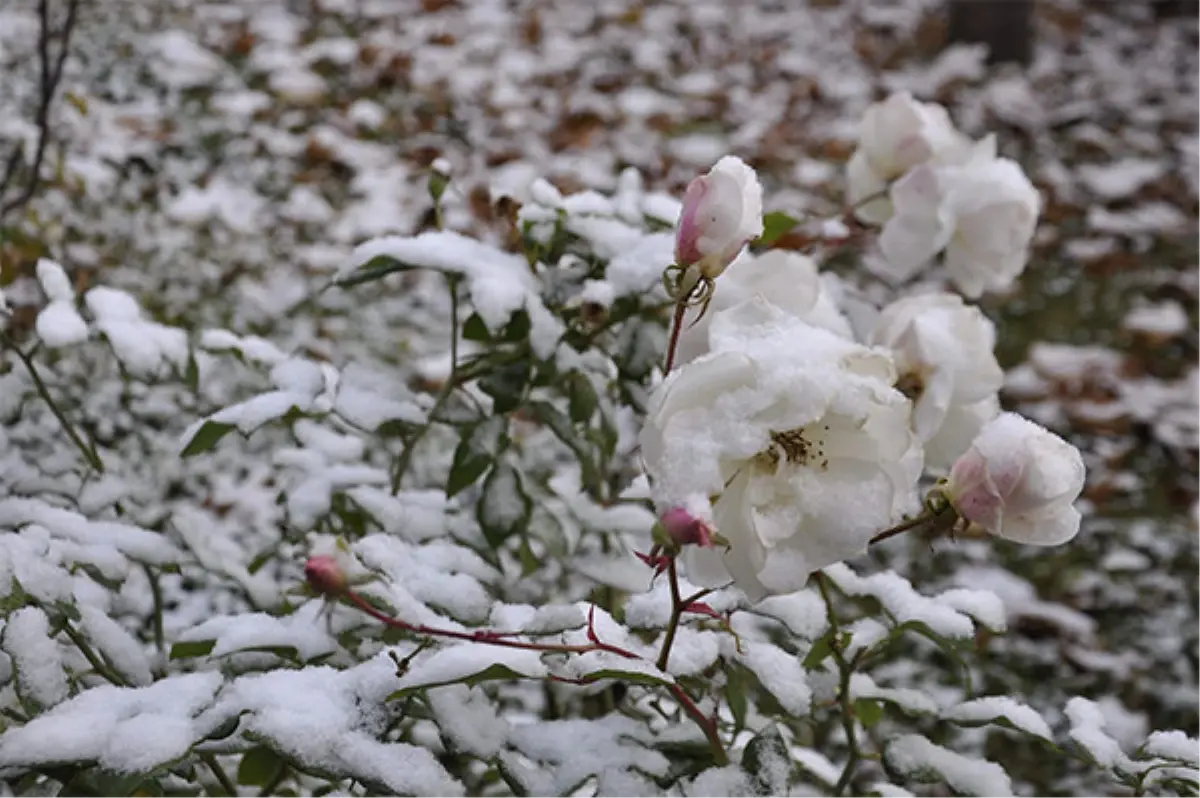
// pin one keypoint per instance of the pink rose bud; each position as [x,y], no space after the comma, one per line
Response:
[325,575]
[1018,481]
[685,529]
[722,212]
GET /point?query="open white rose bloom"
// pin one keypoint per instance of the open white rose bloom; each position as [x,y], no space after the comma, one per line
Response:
[943,353]
[896,135]
[798,436]
[1019,481]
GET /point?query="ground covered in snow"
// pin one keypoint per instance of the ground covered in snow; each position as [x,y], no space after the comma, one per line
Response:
[219,163]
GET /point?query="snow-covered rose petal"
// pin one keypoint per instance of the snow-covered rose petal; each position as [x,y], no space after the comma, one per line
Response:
[896,135]
[943,350]
[800,434]
[788,280]
[722,212]
[1019,481]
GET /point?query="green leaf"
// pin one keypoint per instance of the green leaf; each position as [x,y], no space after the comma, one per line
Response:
[629,677]
[506,384]
[738,684]
[194,648]
[529,560]
[191,374]
[869,712]
[581,397]
[496,672]
[762,759]
[209,434]
[375,269]
[475,330]
[564,430]
[820,650]
[504,508]
[475,453]
[259,766]
[776,224]
[438,183]
[517,329]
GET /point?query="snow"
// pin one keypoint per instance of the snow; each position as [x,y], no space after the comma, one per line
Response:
[125,730]
[59,325]
[302,630]
[802,612]
[990,708]
[781,673]
[116,645]
[456,663]
[499,283]
[914,756]
[327,719]
[1173,745]
[54,281]
[36,658]
[1165,318]
[902,602]
[468,719]
[1120,179]
[911,701]
[143,347]
[572,750]
[817,764]
[1088,730]
[136,543]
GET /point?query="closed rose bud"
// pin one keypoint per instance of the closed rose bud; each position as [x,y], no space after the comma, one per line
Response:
[1019,481]
[685,529]
[722,212]
[325,575]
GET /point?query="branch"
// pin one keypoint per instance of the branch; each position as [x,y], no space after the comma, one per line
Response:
[50,75]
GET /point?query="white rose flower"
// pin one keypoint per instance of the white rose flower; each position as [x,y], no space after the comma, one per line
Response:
[787,280]
[795,433]
[896,135]
[983,214]
[722,212]
[1019,481]
[943,350]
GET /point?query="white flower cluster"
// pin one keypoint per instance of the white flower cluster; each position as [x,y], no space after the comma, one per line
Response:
[798,443]
[936,191]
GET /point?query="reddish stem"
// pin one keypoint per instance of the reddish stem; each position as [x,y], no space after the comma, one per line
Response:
[484,637]
[676,328]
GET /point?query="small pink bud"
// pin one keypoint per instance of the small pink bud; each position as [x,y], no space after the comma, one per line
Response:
[325,575]
[722,212]
[685,529]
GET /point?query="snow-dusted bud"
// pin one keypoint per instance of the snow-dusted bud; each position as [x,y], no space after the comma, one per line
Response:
[983,213]
[685,529]
[1019,481]
[326,576]
[722,212]
[896,135]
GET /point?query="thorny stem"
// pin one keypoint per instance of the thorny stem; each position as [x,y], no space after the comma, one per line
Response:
[410,445]
[87,451]
[846,670]
[935,518]
[486,638]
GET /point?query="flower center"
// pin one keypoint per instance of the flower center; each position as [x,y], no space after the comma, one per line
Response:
[791,446]
[911,385]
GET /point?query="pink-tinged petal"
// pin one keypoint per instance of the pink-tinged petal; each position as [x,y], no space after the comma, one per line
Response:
[691,225]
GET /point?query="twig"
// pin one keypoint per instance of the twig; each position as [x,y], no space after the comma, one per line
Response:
[88,452]
[93,659]
[51,69]
[222,777]
[845,670]
[156,593]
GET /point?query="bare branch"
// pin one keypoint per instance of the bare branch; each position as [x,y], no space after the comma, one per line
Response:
[50,75]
